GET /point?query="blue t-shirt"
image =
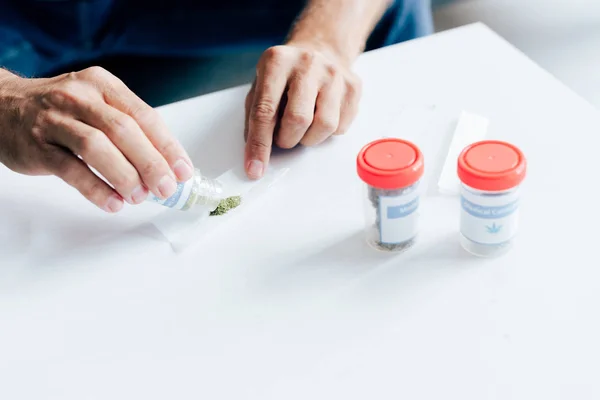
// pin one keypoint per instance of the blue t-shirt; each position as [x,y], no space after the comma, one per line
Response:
[36,36]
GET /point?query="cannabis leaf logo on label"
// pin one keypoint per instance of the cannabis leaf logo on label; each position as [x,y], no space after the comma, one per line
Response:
[494,228]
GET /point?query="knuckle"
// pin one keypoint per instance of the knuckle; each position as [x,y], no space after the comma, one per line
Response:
[143,111]
[95,70]
[169,146]
[150,168]
[38,133]
[94,73]
[353,88]
[124,183]
[87,143]
[264,111]
[40,125]
[93,191]
[298,79]
[122,127]
[297,118]
[331,71]
[285,143]
[258,145]
[307,57]
[147,115]
[350,89]
[273,54]
[269,87]
[72,76]
[328,125]
[64,94]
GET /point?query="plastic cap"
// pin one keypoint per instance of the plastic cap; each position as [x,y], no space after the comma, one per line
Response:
[492,166]
[390,164]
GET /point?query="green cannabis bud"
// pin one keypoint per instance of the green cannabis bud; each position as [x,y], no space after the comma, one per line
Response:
[227,204]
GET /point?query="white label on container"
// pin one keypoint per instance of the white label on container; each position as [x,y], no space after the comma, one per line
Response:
[398,217]
[178,199]
[490,219]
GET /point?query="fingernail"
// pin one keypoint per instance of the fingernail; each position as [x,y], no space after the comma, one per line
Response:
[139,194]
[114,204]
[167,186]
[182,170]
[255,169]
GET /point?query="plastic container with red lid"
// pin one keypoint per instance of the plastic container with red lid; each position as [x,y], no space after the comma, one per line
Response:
[491,173]
[392,170]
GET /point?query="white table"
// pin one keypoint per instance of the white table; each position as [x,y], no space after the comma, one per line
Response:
[285,301]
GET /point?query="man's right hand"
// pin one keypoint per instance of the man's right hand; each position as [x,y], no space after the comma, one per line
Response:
[60,126]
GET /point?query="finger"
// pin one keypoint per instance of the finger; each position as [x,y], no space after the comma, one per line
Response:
[128,137]
[118,95]
[247,107]
[270,85]
[299,111]
[349,108]
[77,174]
[327,114]
[99,152]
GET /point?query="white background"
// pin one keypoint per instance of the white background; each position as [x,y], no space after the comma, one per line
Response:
[563,36]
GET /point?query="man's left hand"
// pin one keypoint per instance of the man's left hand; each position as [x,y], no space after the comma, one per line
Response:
[303,93]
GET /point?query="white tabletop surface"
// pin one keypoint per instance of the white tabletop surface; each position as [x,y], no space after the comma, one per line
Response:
[285,301]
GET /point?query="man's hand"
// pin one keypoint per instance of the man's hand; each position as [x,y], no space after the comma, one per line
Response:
[303,93]
[60,126]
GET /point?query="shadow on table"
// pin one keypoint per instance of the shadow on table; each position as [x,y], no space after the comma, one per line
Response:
[329,268]
[351,255]
[430,263]
[352,266]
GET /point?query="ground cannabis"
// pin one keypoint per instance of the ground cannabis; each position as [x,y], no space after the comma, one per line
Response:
[227,204]
[374,194]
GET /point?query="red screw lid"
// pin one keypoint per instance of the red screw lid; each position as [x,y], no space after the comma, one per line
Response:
[390,164]
[492,166]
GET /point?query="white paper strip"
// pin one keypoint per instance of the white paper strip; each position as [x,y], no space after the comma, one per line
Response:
[471,128]
[181,228]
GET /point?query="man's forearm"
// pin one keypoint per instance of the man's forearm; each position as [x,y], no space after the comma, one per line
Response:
[4,74]
[6,77]
[342,26]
